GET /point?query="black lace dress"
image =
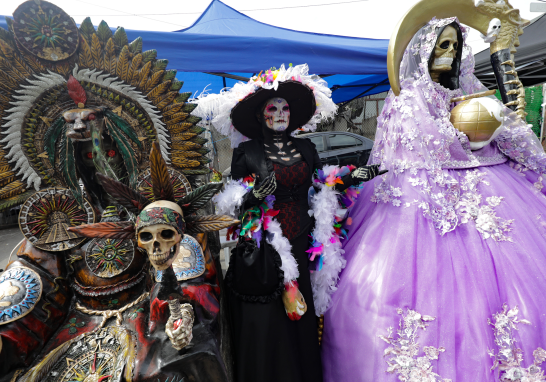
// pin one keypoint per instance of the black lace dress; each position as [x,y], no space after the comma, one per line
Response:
[268,346]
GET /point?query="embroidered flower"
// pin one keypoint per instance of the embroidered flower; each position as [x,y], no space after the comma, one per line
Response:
[510,357]
[404,349]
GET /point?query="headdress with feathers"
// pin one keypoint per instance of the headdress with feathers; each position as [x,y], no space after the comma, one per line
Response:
[162,188]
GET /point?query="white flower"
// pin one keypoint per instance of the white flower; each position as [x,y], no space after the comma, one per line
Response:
[396,202]
[396,191]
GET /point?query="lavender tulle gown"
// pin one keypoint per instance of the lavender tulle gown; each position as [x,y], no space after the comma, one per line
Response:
[442,242]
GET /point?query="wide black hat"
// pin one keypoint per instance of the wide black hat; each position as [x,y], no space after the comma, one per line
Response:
[245,116]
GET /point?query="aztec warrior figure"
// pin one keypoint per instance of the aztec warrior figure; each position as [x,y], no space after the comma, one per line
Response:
[118,277]
[100,147]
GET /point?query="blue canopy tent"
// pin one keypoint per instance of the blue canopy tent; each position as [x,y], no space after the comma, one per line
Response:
[224,46]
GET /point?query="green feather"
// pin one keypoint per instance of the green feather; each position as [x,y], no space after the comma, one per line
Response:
[51,136]
[126,150]
[104,32]
[124,127]
[68,168]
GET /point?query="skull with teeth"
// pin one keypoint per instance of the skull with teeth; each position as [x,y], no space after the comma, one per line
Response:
[159,229]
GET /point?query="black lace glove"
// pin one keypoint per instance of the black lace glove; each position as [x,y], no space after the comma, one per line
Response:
[265,188]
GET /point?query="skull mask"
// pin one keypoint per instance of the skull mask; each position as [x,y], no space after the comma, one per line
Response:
[160,227]
[444,52]
[277,114]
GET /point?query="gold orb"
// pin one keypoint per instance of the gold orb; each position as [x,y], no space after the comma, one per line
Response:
[473,118]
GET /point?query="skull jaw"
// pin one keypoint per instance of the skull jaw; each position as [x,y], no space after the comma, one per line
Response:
[162,261]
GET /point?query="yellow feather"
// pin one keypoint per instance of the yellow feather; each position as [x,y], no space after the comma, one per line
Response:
[86,59]
[143,75]
[175,118]
[123,63]
[110,56]
[155,94]
[132,77]
[96,51]
[185,163]
[166,100]
[184,154]
[182,136]
[154,80]
[176,128]
[185,146]
[12,189]
[172,109]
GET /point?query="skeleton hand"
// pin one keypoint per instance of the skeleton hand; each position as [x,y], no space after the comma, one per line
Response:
[267,187]
[366,173]
[294,303]
[179,326]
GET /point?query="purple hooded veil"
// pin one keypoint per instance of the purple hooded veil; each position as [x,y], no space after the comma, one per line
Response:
[442,242]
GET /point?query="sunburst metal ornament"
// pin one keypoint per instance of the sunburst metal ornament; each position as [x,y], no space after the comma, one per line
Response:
[109,257]
[45,30]
[46,216]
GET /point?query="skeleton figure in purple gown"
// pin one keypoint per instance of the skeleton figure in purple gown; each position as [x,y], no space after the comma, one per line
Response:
[454,239]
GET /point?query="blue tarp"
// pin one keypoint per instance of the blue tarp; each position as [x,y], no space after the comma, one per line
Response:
[223,40]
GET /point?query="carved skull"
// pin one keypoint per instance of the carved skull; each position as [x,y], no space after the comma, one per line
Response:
[445,50]
[493,31]
[160,227]
[277,114]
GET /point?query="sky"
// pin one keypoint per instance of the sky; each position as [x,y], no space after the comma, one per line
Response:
[355,18]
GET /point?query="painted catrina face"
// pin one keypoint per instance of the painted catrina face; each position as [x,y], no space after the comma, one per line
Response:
[277,114]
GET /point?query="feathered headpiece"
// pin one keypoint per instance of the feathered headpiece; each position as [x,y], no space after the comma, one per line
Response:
[162,188]
[233,112]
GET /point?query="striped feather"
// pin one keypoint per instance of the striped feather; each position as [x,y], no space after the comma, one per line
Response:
[208,223]
[96,52]
[51,136]
[12,189]
[122,68]
[172,109]
[132,76]
[15,200]
[177,128]
[143,75]
[198,198]
[185,163]
[109,230]
[126,196]
[156,92]
[161,180]
[126,150]
[68,167]
[166,100]
[86,59]
[175,118]
[153,81]
[185,154]
[185,146]
[110,56]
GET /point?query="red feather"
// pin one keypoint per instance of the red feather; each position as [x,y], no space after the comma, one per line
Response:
[76,91]
[110,230]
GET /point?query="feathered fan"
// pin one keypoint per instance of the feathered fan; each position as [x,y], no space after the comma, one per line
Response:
[162,187]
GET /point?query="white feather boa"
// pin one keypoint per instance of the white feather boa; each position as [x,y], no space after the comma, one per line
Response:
[324,206]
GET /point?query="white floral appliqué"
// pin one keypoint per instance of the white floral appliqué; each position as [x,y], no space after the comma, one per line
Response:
[404,349]
[510,357]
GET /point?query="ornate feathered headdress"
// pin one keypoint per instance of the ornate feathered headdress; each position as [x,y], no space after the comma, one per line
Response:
[163,190]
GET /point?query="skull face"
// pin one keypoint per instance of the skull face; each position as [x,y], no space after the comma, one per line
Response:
[161,242]
[78,122]
[160,227]
[277,114]
[445,51]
